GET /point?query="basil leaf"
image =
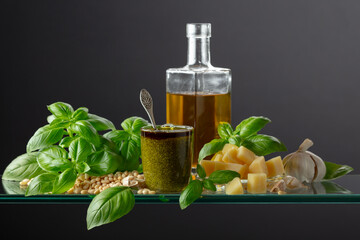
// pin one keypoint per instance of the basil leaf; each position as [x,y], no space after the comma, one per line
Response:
[103,162]
[100,123]
[80,114]
[223,176]
[107,144]
[44,137]
[225,130]
[66,141]
[235,139]
[140,168]
[109,205]
[41,184]
[60,122]
[24,166]
[251,126]
[64,181]
[54,159]
[200,171]
[79,149]
[131,153]
[82,167]
[134,124]
[61,110]
[137,139]
[12,187]
[208,184]
[50,118]
[87,131]
[211,148]
[263,145]
[117,136]
[192,192]
[334,170]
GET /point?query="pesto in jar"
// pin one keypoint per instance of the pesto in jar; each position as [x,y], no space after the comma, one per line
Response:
[167,157]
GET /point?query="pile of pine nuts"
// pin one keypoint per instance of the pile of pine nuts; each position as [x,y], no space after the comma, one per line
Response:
[86,184]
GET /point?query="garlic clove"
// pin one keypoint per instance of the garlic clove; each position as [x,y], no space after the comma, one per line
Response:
[292,182]
[279,186]
[320,166]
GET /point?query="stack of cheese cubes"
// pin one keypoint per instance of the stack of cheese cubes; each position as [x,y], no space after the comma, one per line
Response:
[251,167]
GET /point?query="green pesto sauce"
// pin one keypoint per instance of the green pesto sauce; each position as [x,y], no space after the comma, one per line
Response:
[167,160]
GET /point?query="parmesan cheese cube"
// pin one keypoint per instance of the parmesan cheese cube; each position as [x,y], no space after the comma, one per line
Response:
[209,166]
[275,167]
[220,166]
[230,156]
[256,183]
[258,166]
[217,157]
[245,156]
[234,187]
[229,146]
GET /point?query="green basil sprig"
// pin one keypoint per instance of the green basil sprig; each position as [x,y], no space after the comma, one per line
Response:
[245,134]
[194,189]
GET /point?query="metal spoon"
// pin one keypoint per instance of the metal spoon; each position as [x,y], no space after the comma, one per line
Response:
[147,102]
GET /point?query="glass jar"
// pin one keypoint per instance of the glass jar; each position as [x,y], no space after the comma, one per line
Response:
[167,154]
[198,94]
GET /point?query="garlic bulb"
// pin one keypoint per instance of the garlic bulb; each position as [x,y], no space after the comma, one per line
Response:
[305,165]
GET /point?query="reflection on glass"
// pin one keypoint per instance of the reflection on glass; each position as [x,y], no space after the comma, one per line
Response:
[326,187]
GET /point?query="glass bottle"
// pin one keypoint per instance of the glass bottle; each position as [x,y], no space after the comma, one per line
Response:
[198,94]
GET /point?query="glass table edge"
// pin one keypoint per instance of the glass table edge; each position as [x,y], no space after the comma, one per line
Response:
[205,199]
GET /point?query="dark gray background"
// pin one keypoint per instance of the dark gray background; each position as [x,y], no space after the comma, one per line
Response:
[296,62]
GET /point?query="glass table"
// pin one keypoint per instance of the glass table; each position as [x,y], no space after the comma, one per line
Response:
[345,190]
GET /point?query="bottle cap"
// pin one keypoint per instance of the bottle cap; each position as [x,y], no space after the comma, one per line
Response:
[198,30]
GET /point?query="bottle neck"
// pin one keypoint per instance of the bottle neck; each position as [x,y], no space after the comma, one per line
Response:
[198,52]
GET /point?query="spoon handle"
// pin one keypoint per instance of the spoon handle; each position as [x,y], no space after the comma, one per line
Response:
[147,103]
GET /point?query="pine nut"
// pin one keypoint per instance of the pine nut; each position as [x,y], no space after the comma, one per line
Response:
[77,190]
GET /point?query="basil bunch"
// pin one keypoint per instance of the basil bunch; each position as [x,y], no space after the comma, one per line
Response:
[71,144]
[245,134]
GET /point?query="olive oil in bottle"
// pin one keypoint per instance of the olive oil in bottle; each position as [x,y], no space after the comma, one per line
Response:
[198,94]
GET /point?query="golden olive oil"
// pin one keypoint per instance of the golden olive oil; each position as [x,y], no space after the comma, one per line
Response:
[202,111]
